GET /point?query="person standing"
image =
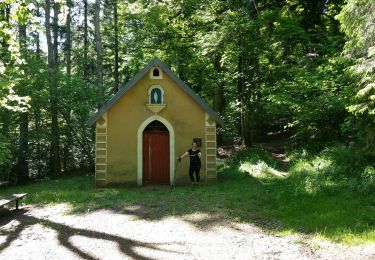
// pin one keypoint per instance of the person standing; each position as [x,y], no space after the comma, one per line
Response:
[195,162]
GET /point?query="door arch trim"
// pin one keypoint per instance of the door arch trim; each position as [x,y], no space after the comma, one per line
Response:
[140,148]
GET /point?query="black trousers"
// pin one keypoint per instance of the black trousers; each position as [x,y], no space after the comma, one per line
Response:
[194,168]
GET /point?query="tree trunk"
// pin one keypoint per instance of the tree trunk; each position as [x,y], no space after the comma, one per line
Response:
[5,119]
[116,72]
[56,10]
[52,85]
[37,36]
[22,167]
[68,49]
[39,164]
[240,90]
[85,40]
[99,55]
[4,115]
[23,153]
[37,116]
[219,99]
[68,41]
[67,156]
[84,145]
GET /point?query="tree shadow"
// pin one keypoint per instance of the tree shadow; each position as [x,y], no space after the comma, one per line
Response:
[5,220]
[200,218]
[273,204]
[65,232]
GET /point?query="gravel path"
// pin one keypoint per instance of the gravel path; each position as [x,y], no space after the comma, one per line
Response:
[51,233]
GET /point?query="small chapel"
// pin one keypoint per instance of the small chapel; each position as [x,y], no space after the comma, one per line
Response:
[146,125]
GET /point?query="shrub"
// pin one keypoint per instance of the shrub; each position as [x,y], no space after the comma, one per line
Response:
[5,157]
[368,179]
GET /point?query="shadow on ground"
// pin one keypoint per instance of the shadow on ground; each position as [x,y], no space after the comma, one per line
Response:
[274,204]
[64,233]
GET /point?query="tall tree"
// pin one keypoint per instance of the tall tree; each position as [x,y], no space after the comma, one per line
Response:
[85,40]
[4,115]
[219,98]
[22,168]
[67,111]
[52,86]
[68,41]
[99,55]
[116,47]
[358,23]
[37,35]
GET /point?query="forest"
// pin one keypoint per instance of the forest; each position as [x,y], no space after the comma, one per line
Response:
[302,70]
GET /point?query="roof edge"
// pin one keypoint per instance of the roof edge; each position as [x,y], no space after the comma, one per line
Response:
[138,76]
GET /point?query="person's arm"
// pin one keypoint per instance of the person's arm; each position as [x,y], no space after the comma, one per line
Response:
[182,156]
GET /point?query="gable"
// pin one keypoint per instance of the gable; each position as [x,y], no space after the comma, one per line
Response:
[155,63]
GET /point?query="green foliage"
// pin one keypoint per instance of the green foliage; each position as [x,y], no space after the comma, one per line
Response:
[265,66]
[11,59]
[368,179]
[314,99]
[5,157]
[333,169]
[327,193]
[357,23]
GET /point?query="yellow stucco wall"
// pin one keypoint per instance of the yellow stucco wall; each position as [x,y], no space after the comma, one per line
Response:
[129,112]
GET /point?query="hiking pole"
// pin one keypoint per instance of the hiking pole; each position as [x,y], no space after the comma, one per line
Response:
[175,170]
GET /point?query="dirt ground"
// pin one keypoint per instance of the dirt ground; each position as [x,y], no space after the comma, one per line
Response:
[51,232]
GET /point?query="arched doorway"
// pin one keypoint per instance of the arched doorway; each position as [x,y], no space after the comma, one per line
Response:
[156,153]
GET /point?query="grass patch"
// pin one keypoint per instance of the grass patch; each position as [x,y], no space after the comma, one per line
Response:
[309,199]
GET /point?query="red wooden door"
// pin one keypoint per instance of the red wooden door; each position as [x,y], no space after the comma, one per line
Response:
[156,157]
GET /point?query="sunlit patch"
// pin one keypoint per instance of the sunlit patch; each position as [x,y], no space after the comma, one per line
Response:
[133,212]
[313,174]
[205,222]
[7,230]
[11,226]
[133,208]
[56,210]
[134,8]
[96,248]
[3,239]
[322,164]
[106,193]
[34,241]
[303,167]
[222,165]
[161,251]
[260,169]
[197,217]
[318,165]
